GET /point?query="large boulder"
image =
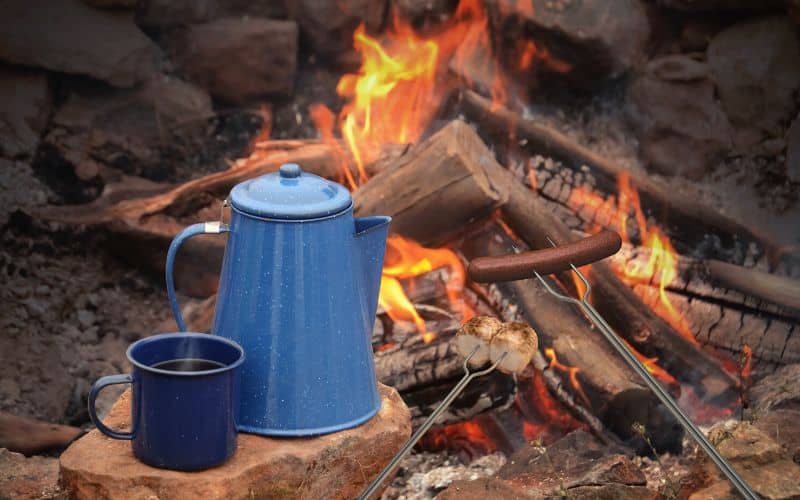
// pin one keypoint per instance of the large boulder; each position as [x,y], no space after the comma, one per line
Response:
[71,37]
[239,60]
[24,107]
[682,129]
[755,66]
[126,128]
[20,477]
[596,40]
[328,26]
[338,465]
[166,14]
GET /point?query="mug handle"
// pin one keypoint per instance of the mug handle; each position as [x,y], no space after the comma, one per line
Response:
[101,383]
[193,230]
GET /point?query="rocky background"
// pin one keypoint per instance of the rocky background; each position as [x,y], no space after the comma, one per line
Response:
[702,92]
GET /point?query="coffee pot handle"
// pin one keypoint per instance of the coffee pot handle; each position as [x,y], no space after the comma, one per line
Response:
[193,230]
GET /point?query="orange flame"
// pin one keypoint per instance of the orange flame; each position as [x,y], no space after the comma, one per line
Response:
[662,264]
[746,364]
[471,436]
[571,370]
[406,258]
[390,100]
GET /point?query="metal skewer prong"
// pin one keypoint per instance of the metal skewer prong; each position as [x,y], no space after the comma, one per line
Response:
[741,486]
[458,389]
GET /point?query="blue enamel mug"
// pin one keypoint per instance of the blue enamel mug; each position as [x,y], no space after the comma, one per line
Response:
[185,400]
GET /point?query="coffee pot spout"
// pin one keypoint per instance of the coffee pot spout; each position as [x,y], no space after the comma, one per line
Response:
[370,243]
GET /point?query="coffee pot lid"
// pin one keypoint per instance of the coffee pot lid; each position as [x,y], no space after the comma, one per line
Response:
[290,194]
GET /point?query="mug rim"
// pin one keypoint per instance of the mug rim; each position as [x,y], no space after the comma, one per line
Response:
[213,338]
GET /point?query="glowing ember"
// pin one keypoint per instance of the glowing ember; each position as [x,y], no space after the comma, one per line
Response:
[571,370]
[405,259]
[471,436]
[394,94]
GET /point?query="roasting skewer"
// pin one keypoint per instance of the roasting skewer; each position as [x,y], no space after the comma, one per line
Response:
[565,257]
[458,389]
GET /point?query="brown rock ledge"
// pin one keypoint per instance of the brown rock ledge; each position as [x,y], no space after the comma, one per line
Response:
[337,465]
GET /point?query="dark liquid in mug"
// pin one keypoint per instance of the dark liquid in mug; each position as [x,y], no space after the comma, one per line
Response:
[188,365]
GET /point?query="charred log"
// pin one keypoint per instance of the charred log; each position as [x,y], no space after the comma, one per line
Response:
[677,208]
[636,322]
[605,384]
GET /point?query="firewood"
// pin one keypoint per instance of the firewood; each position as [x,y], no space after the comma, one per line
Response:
[437,187]
[29,436]
[605,380]
[620,306]
[477,332]
[776,289]
[542,139]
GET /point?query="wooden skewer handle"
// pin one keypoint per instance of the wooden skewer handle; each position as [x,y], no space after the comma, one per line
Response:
[547,261]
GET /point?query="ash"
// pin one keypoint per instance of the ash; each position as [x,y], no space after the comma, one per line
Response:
[421,476]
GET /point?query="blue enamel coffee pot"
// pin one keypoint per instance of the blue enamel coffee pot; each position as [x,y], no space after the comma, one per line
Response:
[298,291]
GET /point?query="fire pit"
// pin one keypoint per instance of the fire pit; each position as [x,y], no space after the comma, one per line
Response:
[484,128]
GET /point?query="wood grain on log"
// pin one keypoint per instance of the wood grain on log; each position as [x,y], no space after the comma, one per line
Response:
[675,206]
[626,313]
[609,385]
[437,187]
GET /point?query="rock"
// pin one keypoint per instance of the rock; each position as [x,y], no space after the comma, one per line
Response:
[681,128]
[777,390]
[127,129]
[793,151]
[719,5]
[167,14]
[419,11]
[71,37]
[756,68]
[9,389]
[112,4]
[575,466]
[783,426]
[21,477]
[776,481]
[574,461]
[744,444]
[25,102]
[328,26]
[597,39]
[336,465]
[483,489]
[29,436]
[19,189]
[239,60]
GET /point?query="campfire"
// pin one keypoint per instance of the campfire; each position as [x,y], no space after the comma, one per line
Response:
[442,116]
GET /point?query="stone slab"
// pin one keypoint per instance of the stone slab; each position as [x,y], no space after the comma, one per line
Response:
[336,465]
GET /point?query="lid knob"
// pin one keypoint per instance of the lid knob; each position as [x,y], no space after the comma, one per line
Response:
[290,170]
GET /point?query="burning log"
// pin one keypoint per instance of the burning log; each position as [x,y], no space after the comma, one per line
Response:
[437,187]
[626,313]
[545,140]
[429,196]
[776,289]
[602,380]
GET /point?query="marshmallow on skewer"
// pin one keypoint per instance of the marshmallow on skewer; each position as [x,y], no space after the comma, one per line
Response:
[477,332]
[518,341]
